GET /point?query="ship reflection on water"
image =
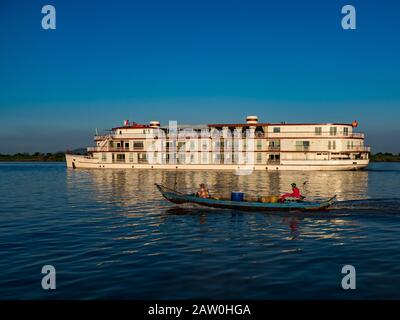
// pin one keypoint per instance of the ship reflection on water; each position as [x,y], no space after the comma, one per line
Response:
[345,184]
[134,195]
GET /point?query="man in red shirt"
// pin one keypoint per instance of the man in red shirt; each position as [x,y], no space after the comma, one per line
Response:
[295,194]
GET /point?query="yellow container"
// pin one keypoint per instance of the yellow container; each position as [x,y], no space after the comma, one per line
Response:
[264,199]
[269,199]
[274,199]
[250,199]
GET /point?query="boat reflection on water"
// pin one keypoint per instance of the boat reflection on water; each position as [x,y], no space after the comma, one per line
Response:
[131,193]
[293,223]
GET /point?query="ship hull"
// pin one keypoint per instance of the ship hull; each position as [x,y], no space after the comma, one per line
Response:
[84,162]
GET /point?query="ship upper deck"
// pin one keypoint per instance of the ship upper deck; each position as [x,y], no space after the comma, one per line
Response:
[272,130]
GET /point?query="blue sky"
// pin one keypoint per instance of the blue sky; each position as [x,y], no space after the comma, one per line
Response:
[196,61]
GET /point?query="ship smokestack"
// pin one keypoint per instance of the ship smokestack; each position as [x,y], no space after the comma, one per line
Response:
[252,119]
[154,124]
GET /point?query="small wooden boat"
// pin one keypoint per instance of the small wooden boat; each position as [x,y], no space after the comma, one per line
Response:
[180,198]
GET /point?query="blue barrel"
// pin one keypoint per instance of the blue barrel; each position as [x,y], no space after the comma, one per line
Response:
[237,196]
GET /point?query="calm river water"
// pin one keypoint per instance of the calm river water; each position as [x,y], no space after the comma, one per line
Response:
[110,234]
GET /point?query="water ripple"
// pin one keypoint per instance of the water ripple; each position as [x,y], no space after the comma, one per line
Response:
[111,235]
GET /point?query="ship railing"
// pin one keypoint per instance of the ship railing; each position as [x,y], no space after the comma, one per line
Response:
[305,134]
[313,134]
[357,135]
[273,162]
[256,135]
[296,134]
[103,137]
[228,150]
[274,148]
[125,135]
[362,148]
[107,149]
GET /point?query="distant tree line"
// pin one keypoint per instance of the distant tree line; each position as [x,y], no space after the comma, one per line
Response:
[37,156]
[385,157]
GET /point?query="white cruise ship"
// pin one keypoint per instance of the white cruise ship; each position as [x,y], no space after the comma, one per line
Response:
[243,146]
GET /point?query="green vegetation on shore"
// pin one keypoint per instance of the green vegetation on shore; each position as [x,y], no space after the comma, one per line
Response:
[60,156]
[385,157]
[37,156]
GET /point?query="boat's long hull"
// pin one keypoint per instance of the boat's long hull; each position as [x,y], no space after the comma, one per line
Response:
[75,161]
[178,198]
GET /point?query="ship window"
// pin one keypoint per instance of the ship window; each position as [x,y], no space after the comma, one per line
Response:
[318,131]
[346,131]
[332,145]
[137,145]
[302,145]
[235,157]
[274,157]
[259,144]
[259,157]
[142,157]
[181,158]
[121,157]
[275,144]
[277,129]
[104,157]
[181,146]
[333,131]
